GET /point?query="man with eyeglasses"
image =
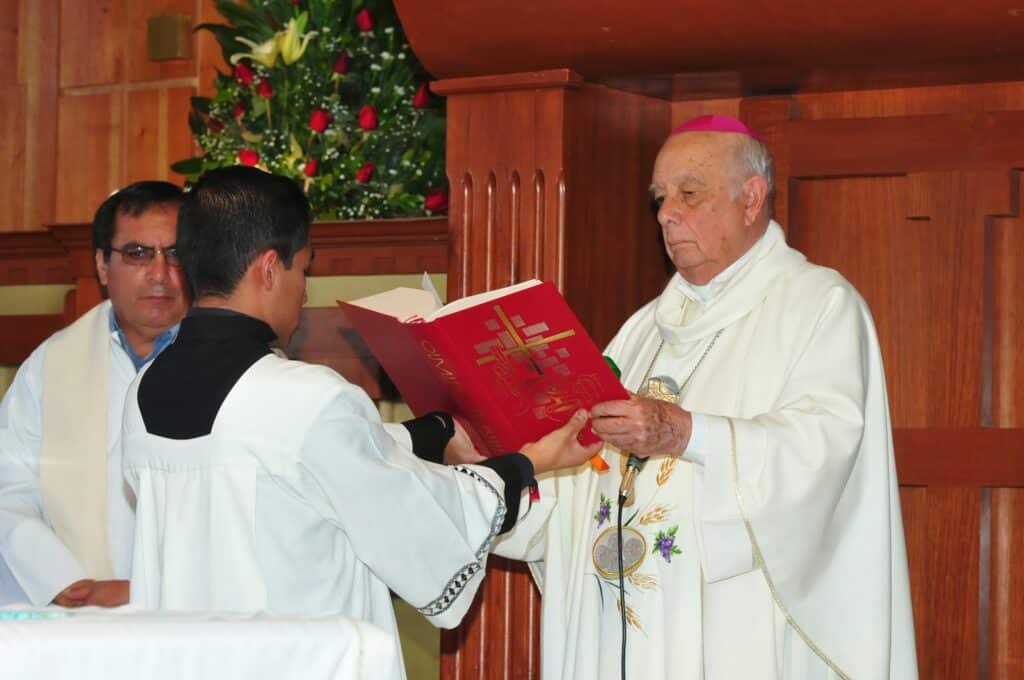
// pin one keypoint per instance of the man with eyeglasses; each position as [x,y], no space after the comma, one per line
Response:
[66,515]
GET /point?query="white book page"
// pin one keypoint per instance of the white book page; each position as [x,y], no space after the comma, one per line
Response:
[401,303]
[480,298]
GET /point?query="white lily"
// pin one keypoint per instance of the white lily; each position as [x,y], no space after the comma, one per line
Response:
[293,40]
[265,53]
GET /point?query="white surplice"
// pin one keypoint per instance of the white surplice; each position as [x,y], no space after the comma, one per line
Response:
[300,501]
[782,555]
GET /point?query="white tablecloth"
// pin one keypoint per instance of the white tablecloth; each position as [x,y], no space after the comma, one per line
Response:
[91,643]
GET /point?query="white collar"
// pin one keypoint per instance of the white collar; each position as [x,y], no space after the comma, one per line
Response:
[733,293]
[707,293]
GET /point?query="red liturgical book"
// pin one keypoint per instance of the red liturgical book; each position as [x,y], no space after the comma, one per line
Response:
[513,364]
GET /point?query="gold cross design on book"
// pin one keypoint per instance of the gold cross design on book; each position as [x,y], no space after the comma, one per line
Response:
[519,344]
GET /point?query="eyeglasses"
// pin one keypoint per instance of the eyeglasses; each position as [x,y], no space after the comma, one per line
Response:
[139,255]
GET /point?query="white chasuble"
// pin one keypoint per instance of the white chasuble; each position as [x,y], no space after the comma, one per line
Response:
[299,501]
[782,556]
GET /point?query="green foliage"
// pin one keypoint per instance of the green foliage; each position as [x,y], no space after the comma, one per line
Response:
[294,47]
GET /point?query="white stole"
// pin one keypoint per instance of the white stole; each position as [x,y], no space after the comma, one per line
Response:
[73,452]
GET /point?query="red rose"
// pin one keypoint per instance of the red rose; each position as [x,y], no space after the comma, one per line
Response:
[341,63]
[239,109]
[319,120]
[422,98]
[264,89]
[436,200]
[243,74]
[367,118]
[310,168]
[214,125]
[248,157]
[364,20]
[365,173]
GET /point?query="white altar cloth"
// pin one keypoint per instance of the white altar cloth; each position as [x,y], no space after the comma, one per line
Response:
[96,644]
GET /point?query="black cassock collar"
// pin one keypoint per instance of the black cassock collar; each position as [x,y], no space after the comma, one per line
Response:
[182,392]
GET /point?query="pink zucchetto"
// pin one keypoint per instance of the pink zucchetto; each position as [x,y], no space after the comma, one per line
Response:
[717,124]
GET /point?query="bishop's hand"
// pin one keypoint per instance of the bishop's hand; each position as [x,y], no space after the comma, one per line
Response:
[646,427]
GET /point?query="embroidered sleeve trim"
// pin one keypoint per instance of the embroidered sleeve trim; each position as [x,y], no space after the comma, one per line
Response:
[499,513]
[457,583]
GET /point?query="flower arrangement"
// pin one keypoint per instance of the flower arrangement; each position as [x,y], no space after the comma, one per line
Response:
[326,92]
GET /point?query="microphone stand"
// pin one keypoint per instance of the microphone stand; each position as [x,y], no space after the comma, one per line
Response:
[633,467]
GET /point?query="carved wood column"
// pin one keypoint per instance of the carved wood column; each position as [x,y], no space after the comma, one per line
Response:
[549,179]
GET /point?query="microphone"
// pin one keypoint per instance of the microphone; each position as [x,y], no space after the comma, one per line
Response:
[633,467]
[662,388]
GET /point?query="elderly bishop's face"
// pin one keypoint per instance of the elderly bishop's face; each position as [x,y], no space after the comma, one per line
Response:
[703,211]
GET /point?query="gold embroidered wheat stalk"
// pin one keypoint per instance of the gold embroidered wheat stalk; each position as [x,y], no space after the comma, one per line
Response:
[631,618]
[666,470]
[656,514]
[643,582]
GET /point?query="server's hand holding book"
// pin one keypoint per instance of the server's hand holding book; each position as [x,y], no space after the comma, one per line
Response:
[512,364]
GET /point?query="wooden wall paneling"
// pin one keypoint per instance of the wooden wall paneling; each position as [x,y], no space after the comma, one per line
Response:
[206,52]
[1006,585]
[614,260]
[960,456]
[89,156]
[408,246]
[20,334]
[859,226]
[914,507]
[28,202]
[13,116]
[505,159]
[947,623]
[769,116]
[41,78]
[92,36]
[156,133]
[32,258]
[895,145]
[77,242]
[137,66]
[177,135]
[1006,626]
[1008,317]
[872,103]
[12,19]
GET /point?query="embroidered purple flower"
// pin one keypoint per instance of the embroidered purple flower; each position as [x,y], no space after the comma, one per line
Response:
[604,511]
[665,543]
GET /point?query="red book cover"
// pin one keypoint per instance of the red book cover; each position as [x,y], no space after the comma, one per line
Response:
[512,364]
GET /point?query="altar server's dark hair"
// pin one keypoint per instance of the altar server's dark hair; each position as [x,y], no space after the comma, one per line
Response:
[133,200]
[232,215]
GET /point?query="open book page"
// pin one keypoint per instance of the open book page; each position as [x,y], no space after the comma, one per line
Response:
[428,285]
[404,304]
[481,298]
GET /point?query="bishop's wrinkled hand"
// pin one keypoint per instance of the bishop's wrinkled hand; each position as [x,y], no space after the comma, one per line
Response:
[646,427]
